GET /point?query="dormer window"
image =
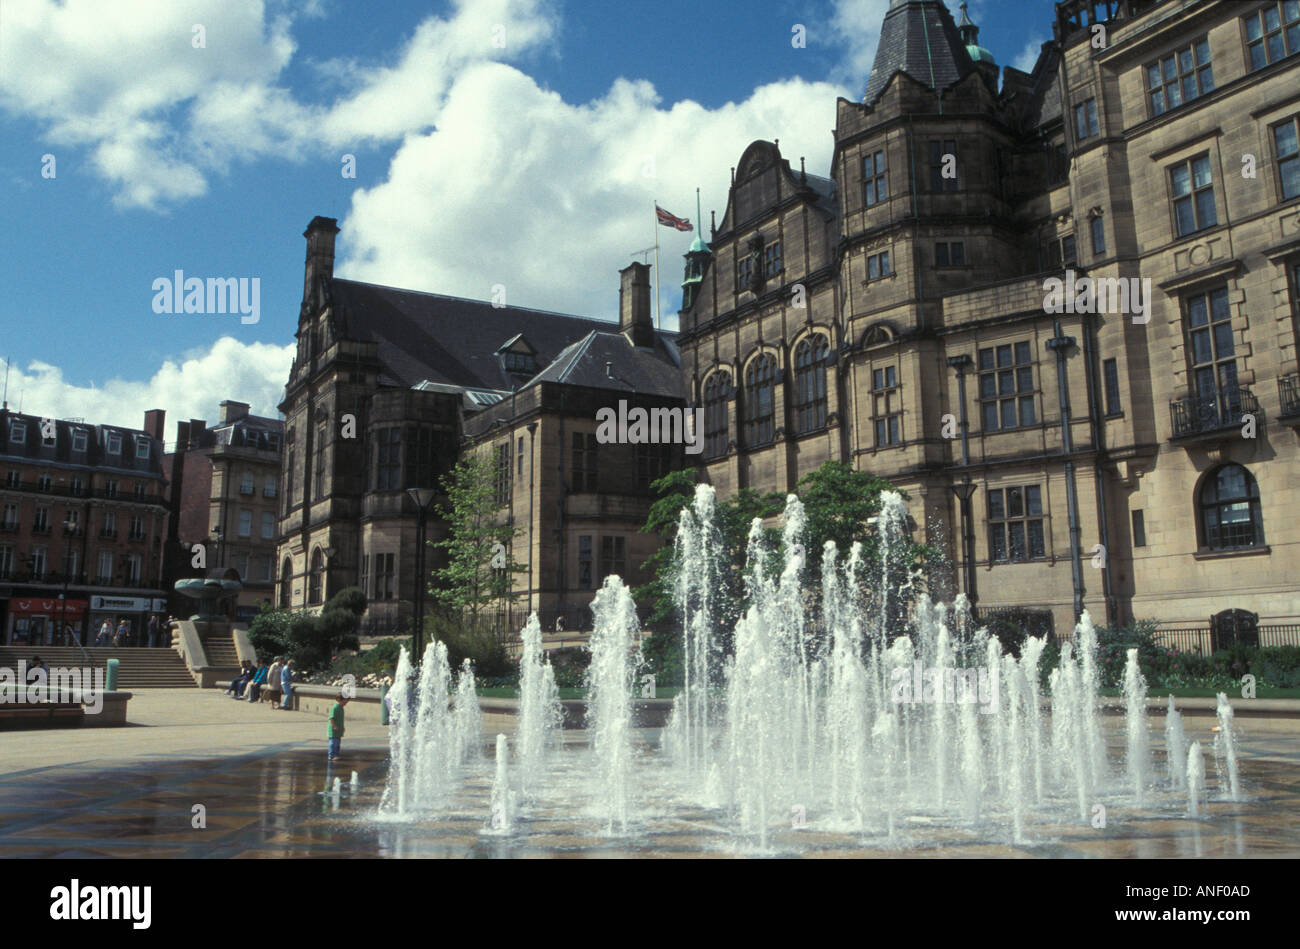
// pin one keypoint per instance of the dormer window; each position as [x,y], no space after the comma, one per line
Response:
[518,356]
[519,362]
[113,443]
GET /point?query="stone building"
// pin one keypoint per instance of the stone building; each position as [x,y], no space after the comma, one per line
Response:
[1136,460]
[224,495]
[390,386]
[82,519]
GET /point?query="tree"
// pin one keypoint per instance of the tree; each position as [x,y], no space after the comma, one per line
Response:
[839,504]
[480,566]
[310,639]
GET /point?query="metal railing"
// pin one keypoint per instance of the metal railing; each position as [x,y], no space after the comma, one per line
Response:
[1197,415]
[1288,391]
[1200,638]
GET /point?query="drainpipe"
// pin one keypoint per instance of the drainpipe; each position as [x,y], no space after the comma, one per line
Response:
[1059,344]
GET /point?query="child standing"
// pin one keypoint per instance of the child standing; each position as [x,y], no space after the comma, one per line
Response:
[334,728]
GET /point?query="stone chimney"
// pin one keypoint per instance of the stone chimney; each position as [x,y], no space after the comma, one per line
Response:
[634,320]
[154,422]
[231,410]
[320,253]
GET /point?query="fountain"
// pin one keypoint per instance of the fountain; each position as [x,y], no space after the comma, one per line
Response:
[1225,749]
[1135,719]
[1175,747]
[1195,780]
[615,659]
[540,714]
[503,797]
[860,707]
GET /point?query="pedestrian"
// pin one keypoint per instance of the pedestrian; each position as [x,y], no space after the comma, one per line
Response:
[286,685]
[153,630]
[238,682]
[334,728]
[123,633]
[273,681]
[105,631]
[259,679]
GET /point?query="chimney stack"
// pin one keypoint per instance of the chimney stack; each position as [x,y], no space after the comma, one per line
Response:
[231,410]
[320,253]
[634,320]
[154,422]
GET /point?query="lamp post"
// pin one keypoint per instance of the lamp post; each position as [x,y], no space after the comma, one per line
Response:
[422,497]
[68,527]
[965,489]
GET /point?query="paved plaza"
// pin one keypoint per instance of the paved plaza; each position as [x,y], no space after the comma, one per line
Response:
[259,775]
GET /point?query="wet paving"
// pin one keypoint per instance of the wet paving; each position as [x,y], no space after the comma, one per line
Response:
[270,804]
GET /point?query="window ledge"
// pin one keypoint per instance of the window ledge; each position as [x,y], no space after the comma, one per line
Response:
[1206,553]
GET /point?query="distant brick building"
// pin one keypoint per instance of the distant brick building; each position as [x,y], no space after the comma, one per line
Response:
[872,316]
[224,495]
[82,518]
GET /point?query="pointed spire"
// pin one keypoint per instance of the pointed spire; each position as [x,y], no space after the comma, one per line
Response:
[970,33]
[920,39]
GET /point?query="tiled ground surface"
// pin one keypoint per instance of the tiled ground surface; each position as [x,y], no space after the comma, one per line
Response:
[268,804]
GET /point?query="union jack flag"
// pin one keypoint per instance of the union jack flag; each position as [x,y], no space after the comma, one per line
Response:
[671,220]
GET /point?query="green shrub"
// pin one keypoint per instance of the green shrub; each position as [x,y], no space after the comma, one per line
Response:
[480,644]
[664,657]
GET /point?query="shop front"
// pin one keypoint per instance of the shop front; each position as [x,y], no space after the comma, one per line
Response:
[134,611]
[44,621]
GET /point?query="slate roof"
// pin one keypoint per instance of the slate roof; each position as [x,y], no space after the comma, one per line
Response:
[441,343]
[918,37]
[608,360]
[442,339]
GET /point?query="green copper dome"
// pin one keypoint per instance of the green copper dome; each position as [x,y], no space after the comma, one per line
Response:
[979,54]
[698,245]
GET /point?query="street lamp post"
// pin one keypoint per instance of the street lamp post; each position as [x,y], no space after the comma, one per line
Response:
[965,489]
[422,497]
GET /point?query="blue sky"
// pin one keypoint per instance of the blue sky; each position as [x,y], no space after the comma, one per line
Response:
[526,156]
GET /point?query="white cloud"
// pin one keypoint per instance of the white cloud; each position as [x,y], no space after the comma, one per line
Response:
[191,386]
[1028,56]
[518,187]
[160,115]
[856,26]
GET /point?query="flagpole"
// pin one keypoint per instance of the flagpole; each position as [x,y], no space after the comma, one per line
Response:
[656,222]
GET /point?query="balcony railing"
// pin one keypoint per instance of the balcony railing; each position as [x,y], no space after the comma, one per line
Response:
[108,533]
[1288,390]
[40,528]
[1202,415]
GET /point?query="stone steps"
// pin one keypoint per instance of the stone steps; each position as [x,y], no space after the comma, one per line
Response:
[138,668]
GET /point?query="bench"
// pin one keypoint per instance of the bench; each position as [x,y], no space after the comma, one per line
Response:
[41,715]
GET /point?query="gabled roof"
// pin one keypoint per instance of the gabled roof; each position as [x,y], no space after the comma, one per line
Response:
[918,37]
[608,360]
[450,340]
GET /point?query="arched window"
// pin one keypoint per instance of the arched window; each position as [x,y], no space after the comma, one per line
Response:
[876,336]
[717,392]
[810,383]
[760,427]
[316,576]
[286,580]
[1229,509]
